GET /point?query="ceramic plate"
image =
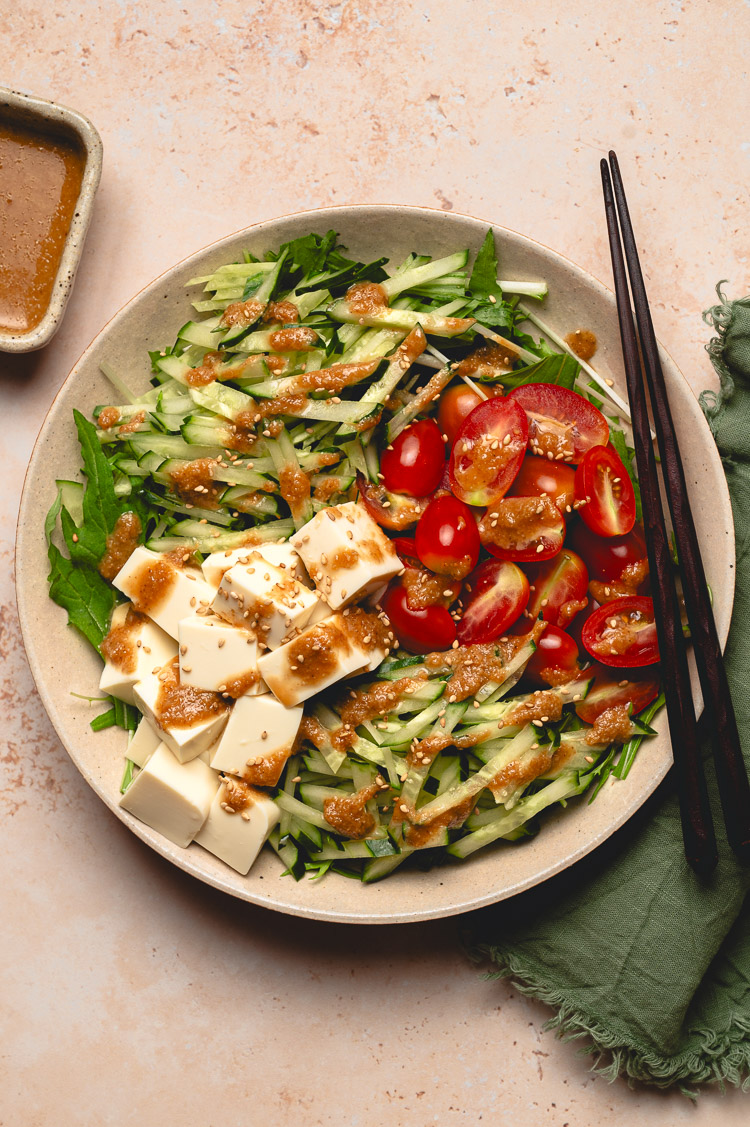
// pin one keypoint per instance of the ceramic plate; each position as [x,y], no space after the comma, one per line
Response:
[62,662]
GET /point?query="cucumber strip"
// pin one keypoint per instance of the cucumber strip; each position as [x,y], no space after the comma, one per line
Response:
[170,446]
[418,772]
[480,779]
[381,867]
[508,821]
[405,319]
[223,400]
[231,272]
[432,389]
[119,385]
[305,813]
[71,497]
[287,466]
[429,272]
[415,728]
[172,505]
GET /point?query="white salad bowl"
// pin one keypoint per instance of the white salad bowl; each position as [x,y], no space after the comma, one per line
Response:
[63,663]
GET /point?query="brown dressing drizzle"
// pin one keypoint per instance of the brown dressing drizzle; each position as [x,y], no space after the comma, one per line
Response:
[120,647]
[544,705]
[242,683]
[633,577]
[299,339]
[194,483]
[347,813]
[474,666]
[240,314]
[515,522]
[426,833]
[132,424]
[41,181]
[237,797]
[108,417]
[294,485]
[611,726]
[425,589]
[583,342]
[265,770]
[152,583]
[182,706]
[489,360]
[280,313]
[121,543]
[519,773]
[366,298]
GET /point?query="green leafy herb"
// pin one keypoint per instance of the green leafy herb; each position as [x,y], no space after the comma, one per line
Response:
[483,279]
[103,720]
[88,599]
[557,369]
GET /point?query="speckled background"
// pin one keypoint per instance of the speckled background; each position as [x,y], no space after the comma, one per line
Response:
[131,993]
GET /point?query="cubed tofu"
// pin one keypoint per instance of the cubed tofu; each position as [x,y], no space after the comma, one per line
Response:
[346,553]
[257,740]
[219,657]
[280,555]
[173,798]
[162,590]
[188,719]
[265,599]
[238,824]
[133,647]
[144,743]
[319,657]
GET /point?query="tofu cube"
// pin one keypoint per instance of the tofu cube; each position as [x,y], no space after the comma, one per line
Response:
[319,657]
[144,743]
[346,553]
[280,555]
[189,720]
[218,657]
[238,824]
[171,797]
[159,588]
[265,599]
[133,647]
[257,740]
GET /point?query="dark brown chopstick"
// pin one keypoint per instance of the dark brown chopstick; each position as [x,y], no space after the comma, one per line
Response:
[695,811]
[731,772]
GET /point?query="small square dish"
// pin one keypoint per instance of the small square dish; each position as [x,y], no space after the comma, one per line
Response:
[50,166]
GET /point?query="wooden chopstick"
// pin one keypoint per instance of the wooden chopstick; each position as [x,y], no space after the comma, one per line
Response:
[731,772]
[695,811]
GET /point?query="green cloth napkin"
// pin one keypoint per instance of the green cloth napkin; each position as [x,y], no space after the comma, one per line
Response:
[647,962]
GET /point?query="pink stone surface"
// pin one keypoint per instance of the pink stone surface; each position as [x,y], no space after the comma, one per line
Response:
[133,994]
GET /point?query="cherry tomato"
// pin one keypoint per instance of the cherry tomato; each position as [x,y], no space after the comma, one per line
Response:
[413,464]
[391,510]
[561,422]
[524,529]
[607,692]
[623,633]
[607,557]
[498,592]
[539,475]
[406,549]
[604,492]
[456,403]
[488,451]
[559,588]
[555,651]
[447,538]
[419,631]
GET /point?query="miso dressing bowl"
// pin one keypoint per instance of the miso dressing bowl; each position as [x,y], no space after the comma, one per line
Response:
[56,121]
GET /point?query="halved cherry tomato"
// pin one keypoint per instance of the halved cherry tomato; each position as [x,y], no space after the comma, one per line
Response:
[419,631]
[623,633]
[523,529]
[413,464]
[562,424]
[606,692]
[447,539]
[604,493]
[391,510]
[555,652]
[498,592]
[406,549]
[456,403]
[488,451]
[559,588]
[539,475]
[607,557]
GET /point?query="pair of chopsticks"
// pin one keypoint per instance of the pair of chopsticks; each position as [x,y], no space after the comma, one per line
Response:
[642,365]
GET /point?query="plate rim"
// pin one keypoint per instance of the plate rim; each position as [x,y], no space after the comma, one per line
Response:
[184,859]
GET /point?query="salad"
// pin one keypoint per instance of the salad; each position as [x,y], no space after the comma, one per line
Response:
[364,565]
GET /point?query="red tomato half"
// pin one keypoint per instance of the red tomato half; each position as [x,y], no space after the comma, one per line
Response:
[523,529]
[562,424]
[447,539]
[406,549]
[539,475]
[559,588]
[555,651]
[604,492]
[456,403]
[391,510]
[623,633]
[413,464]
[606,692]
[607,558]
[419,631]
[497,594]
[488,451]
